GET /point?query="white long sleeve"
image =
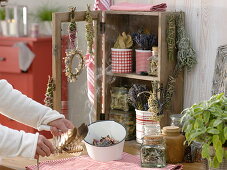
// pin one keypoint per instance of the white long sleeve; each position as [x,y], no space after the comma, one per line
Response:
[17,143]
[19,107]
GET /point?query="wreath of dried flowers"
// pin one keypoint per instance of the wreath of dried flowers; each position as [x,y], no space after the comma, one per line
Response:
[72,76]
[72,52]
[90,33]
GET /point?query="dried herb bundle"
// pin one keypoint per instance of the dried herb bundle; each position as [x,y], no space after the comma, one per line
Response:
[185,58]
[171,37]
[90,33]
[144,41]
[138,98]
[49,93]
[123,41]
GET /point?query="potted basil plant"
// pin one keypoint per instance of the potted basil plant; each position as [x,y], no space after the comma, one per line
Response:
[44,15]
[3,22]
[206,122]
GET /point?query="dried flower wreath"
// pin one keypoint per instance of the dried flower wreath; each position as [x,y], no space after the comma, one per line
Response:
[73,51]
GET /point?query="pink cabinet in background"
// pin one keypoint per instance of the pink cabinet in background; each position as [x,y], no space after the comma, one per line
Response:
[33,82]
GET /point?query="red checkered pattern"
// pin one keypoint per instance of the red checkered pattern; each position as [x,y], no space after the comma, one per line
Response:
[84,162]
[142,60]
[121,61]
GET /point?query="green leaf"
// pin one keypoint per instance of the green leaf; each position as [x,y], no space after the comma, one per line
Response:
[215,140]
[222,136]
[205,151]
[206,116]
[213,131]
[215,163]
[225,133]
[194,135]
[217,122]
[219,152]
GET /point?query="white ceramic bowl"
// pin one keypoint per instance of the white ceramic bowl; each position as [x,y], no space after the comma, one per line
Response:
[100,129]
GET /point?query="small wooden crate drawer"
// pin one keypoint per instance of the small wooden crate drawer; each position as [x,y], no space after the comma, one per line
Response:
[9,61]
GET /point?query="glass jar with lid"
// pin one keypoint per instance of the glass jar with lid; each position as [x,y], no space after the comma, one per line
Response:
[174,144]
[152,153]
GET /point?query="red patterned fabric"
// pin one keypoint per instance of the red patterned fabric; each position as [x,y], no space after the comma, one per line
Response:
[90,76]
[102,5]
[142,60]
[126,6]
[128,162]
[99,5]
[121,61]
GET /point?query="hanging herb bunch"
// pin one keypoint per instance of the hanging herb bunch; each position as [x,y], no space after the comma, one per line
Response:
[49,93]
[143,39]
[90,33]
[180,49]
[73,51]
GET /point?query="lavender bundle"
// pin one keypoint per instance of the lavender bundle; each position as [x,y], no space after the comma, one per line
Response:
[144,41]
[137,98]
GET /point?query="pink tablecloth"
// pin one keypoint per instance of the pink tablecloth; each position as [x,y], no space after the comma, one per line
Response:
[128,162]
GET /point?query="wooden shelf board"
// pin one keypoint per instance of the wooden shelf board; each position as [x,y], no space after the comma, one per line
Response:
[133,76]
[133,13]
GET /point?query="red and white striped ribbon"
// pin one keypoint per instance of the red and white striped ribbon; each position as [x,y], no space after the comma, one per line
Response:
[99,5]
[102,5]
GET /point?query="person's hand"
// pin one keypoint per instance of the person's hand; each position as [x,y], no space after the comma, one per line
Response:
[44,147]
[60,126]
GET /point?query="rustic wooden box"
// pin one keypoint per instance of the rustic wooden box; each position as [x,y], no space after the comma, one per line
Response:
[109,25]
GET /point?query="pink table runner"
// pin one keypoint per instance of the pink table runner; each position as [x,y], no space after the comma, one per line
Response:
[128,162]
[126,6]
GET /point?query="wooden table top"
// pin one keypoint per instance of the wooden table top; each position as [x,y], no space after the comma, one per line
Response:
[130,147]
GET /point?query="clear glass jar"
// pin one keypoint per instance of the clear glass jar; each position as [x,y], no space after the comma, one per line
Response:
[153,62]
[119,98]
[127,119]
[196,149]
[175,120]
[152,153]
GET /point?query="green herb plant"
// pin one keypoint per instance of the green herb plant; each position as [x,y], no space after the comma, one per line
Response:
[2,14]
[206,122]
[45,13]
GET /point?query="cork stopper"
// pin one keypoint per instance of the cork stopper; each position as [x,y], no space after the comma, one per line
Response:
[153,139]
[171,130]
